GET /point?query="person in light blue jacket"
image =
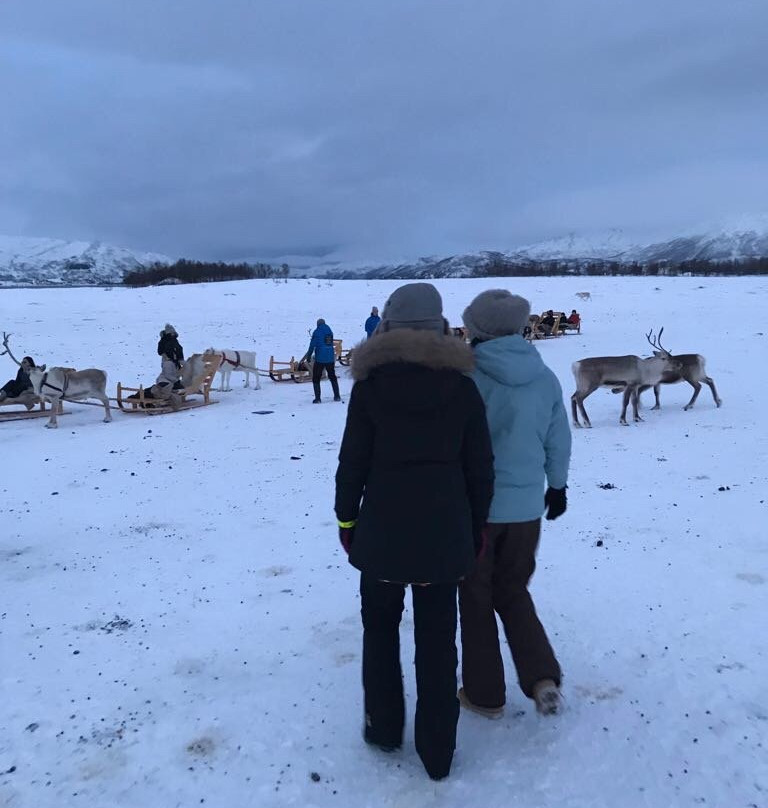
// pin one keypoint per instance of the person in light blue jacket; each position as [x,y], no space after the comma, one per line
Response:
[531,441]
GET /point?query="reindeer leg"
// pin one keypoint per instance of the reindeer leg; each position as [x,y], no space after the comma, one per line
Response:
[657,405]
[628,390]
[580,401]
[105,401]
[247,378]
[708,380]
[574,411]
[696,390]
[635,405]
[52,421]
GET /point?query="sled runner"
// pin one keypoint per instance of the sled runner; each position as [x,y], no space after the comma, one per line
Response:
[197,378]
[34,407]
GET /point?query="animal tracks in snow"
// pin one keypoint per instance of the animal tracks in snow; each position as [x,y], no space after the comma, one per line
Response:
[751,577]
[275,571]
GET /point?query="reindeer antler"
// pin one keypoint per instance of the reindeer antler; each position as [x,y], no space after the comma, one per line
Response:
[7,350]
[656,341]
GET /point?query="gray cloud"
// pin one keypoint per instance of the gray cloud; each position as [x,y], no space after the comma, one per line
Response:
[255,129]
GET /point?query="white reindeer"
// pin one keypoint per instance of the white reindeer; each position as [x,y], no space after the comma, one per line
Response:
[233,361]
[617,372]
[64,384]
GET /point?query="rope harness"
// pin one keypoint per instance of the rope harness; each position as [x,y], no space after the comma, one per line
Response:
[236,363]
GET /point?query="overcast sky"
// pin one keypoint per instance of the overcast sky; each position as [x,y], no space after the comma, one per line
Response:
[384,128]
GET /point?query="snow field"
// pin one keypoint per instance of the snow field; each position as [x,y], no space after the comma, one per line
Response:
[179,627]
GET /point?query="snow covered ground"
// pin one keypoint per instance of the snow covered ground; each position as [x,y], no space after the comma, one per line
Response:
[179,626]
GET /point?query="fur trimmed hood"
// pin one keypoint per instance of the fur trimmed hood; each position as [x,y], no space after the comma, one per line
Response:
[406,345]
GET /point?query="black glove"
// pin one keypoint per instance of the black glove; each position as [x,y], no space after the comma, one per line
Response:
[346,533]
[555,502]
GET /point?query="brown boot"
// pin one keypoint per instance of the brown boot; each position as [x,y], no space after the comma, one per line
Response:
[493,713]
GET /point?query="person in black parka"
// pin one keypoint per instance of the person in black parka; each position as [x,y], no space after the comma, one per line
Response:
[413,489]
[15,387]
[172,358]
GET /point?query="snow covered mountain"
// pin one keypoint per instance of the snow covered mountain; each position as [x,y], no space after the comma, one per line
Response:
[53,262]
[738,241]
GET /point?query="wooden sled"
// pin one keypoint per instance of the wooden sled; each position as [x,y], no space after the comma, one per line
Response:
[38,408]
[341,356]
[137,400]
[289,371]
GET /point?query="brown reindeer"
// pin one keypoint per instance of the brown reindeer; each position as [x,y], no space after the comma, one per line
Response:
[692,370]
[627,373]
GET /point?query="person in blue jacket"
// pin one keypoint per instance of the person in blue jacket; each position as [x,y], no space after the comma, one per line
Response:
[321,344]
[531,441]
[372,323]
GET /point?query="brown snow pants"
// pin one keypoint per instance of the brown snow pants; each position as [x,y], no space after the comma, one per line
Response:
[499,585]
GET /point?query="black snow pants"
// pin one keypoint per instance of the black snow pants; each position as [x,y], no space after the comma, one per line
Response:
[317,373]
[437,708]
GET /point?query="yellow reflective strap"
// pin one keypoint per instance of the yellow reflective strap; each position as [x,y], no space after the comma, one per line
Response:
[347,524]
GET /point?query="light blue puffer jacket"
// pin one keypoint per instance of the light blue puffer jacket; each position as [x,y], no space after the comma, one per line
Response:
[528,423]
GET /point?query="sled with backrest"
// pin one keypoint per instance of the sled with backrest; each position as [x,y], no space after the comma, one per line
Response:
[197,377]
[341,356]
[293,370]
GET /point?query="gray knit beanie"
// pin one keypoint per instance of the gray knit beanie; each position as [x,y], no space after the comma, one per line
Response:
[496,313]
[415,305]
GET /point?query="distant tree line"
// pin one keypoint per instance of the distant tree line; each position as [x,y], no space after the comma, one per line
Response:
[502,267]
[186,271]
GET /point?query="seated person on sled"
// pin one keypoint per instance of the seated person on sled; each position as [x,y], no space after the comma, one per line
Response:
[172,360]
[21,384]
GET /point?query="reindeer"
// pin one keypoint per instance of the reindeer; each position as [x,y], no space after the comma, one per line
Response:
[692,370]
[235,361]
[627,373]
[65,384]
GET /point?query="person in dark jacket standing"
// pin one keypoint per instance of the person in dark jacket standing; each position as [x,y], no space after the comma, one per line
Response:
[172,357]
[372,323]
[531,446]
[321,344]
[413,487]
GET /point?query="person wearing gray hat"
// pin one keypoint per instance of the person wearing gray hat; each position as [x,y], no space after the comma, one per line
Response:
[531,445]
[413,485]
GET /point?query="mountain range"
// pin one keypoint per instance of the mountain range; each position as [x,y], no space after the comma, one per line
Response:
[739,242]
[51,262]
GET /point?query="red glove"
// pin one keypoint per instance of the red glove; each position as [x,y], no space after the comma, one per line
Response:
[347,533]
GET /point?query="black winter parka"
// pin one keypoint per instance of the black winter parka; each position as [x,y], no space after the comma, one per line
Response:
[416,465]
[170,347]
